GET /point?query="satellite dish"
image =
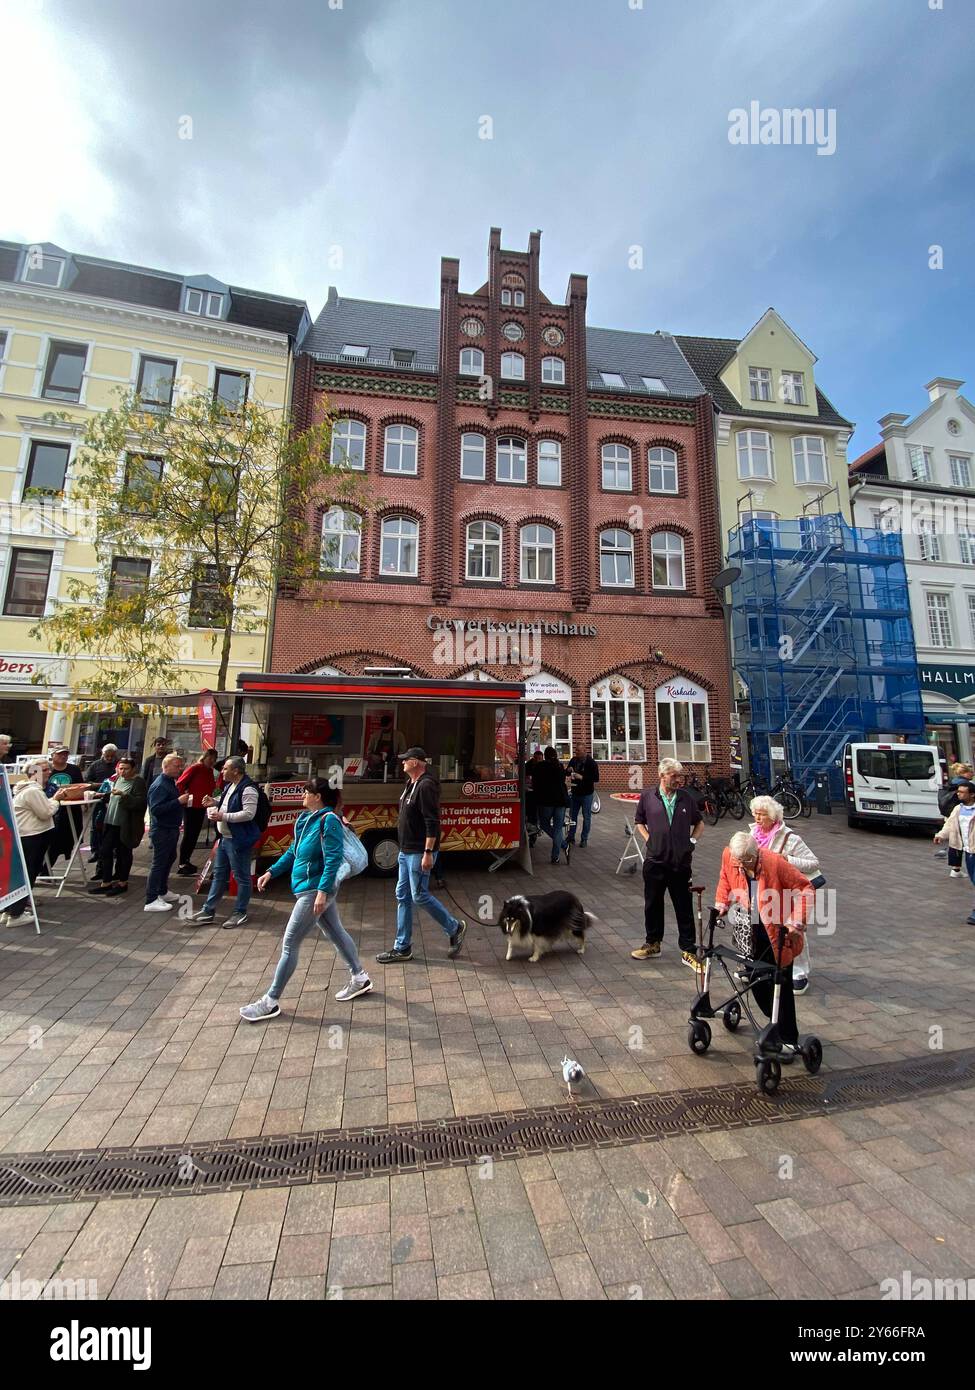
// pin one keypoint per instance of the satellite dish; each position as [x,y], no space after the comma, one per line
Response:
[726,577]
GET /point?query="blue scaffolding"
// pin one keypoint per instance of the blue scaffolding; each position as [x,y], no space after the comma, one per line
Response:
[822,637]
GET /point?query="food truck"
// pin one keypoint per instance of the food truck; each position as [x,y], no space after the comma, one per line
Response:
[350,729]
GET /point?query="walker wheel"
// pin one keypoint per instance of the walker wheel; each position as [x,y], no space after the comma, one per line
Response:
[812,1055]
[769,1076]
[732,1017]
[699,1036]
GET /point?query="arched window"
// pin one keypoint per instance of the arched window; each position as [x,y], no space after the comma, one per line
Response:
[755,459]
[483,550]
[511,462]
[537,555]
[348,444]
[473,456]
[663,470]
[399,549]
[341,535]
[616,559]
[400,453]
[512,366]
[617,468]
[553,371]
[616,707]
[667,555]
[682,722]
[549,463]
[471,362]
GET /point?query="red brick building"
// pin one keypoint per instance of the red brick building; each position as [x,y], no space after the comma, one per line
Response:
[533,471]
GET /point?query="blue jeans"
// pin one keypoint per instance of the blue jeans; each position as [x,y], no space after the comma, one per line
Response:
[300,923]
[583,803]
[229,856]
[413,887]
[551,821]
[163,839]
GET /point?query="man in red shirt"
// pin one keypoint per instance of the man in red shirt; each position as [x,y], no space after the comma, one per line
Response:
[199,780]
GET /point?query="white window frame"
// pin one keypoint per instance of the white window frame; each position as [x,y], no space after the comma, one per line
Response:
[466,448]
[355,352]
[560,737]
[506,299]
[341,531]
[551,376]
[555,457]
[484,545]
[615,463]
[655,384]
[614,550]
[744,439]
[957,464]
[937,605]
[189,301]
[632,750]
[476,366]
[613,380]
[214,311]
[401,444]
[760,383]
[966,547]
[510,359]
[928,541]
[662,547]
[538,547]
[400,538]
[913,450]
[511,454]
[971,613]
[25,277]
[684,750]
[518,298]
[656,459]
[338,434]
[801,457]
[792,385]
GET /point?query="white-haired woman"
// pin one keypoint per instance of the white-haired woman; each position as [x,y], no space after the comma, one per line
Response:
[769,831]
[34,812]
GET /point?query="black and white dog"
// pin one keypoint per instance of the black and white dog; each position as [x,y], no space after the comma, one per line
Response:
[538,924]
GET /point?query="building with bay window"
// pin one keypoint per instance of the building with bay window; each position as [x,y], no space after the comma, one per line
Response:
[545,508]
[75,331]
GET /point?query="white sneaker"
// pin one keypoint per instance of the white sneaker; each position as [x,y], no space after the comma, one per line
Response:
[160,905]
[955,873]
[170,897]
[358,984]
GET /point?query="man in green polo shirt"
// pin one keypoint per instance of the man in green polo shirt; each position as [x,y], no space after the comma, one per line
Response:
[670,822]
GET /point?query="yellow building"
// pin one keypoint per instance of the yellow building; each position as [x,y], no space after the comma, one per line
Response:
[781,446]
[75,331]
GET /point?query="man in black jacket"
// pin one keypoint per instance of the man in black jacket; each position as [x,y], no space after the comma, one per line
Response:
[166,819]
[419,840]
[152,766]
[583,776]
[670,822]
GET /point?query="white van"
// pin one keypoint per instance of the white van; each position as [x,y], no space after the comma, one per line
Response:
[893,783]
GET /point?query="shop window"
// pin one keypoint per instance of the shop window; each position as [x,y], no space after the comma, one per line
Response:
[616,710]
[682,722]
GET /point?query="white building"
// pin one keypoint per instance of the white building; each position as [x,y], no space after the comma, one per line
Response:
[921,480]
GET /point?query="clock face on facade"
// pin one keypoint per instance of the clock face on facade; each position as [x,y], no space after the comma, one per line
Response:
[513,332]
[553,336]
[472,327]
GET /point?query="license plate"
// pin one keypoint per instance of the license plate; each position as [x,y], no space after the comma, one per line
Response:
[877,805]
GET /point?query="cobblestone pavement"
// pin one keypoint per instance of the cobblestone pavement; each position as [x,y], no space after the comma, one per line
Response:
[120,1028]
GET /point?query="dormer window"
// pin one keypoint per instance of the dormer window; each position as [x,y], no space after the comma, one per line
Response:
[613,379]
[203,303]
[355,350]
[654,383]
[43,270]
[402,357]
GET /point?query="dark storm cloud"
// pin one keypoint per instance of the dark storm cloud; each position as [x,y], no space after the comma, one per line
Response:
[271,92]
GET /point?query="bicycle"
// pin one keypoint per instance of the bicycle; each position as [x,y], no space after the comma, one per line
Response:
[786,792]
[716,799]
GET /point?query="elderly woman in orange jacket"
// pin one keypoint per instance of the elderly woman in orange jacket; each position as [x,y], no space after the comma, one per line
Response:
[777,899]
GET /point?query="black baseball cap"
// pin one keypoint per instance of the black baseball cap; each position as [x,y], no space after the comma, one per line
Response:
[413,753]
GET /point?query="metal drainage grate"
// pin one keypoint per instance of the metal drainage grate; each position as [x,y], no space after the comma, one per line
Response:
[331,1155]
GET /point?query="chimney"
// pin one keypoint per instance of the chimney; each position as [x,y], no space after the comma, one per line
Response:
[333,295]
[943,386]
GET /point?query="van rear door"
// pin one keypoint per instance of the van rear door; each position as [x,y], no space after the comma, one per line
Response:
[874,788]
[917,779]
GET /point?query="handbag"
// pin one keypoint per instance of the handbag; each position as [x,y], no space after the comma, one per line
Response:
[740,921]
[354,856]
[818,880]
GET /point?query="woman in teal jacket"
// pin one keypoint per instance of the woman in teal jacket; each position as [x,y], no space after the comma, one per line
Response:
[313,859]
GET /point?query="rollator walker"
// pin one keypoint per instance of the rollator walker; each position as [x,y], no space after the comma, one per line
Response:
[769,1046]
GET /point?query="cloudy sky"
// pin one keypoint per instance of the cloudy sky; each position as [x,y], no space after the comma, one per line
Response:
[341,142]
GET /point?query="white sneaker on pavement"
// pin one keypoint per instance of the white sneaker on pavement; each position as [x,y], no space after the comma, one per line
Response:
[358,984]
[160,905]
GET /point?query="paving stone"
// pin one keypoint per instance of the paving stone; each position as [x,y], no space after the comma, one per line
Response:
[470,1286]
[249,1282]
[415,1281]
[685,1269]
[457,1246]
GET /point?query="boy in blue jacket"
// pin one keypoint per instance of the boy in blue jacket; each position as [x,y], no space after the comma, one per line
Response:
[313,859]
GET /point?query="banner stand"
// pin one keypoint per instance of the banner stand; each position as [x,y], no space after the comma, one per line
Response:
[11,842]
